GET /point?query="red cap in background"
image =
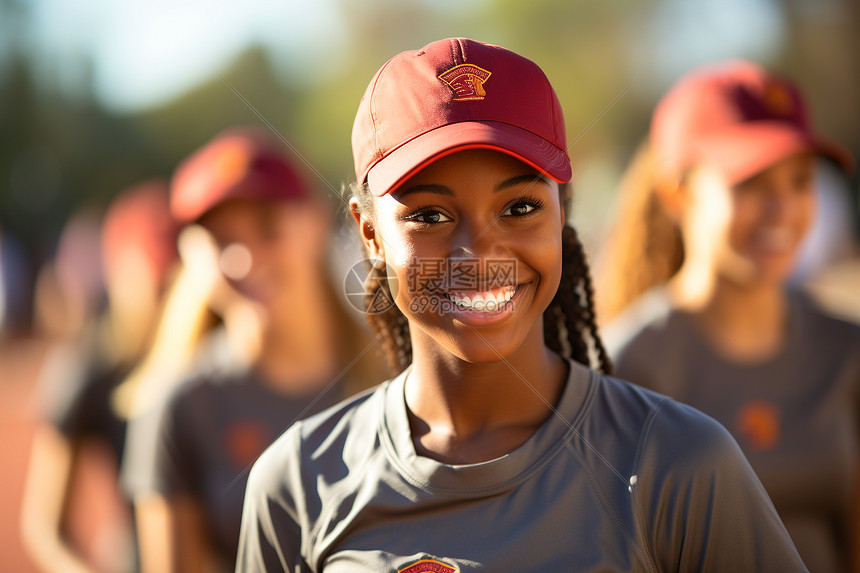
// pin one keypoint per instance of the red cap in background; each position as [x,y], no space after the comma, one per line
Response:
[738,118]
[239,163]
[452,95]
[139,220]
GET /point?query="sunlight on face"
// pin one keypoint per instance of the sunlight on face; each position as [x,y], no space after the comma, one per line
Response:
[264,249]
[751,232]
[482,230]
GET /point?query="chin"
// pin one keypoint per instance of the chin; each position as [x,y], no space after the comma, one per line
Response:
[483,346]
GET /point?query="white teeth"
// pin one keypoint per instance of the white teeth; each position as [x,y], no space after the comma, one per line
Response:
[483,301]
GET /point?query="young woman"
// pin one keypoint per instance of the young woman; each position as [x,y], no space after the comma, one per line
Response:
[715,211]
[287,349]
[83,430]
[495,448]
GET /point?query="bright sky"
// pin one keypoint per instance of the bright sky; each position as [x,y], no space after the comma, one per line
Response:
[146,51]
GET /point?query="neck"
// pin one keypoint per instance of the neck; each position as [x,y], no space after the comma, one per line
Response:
[463,412]
[295,350]
[744,322]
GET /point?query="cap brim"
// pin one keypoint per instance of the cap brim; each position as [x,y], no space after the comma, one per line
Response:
[414,155]
[749,149]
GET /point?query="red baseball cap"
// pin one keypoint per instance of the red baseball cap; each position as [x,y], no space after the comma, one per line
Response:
[451,95]
[138,220]
[239,163]
[737,117]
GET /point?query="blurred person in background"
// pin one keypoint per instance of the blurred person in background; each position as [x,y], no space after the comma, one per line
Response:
[286,336]
[835,284]
[712,216]
[70,290]
[14,298]
[92,357]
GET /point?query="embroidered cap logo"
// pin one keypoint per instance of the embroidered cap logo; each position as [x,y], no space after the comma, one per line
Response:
[429,566]
[466,81]
[777,99]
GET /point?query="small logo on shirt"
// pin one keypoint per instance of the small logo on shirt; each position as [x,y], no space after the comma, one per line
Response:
[244,441]
[429,566]
[466,81]
[759,424]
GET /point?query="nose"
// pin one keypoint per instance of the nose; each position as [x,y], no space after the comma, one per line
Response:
[474,238]
[479,257]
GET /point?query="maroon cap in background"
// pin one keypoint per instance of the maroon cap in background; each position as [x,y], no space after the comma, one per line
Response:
[239,163]
[139,221]
[451,95]
[738,118]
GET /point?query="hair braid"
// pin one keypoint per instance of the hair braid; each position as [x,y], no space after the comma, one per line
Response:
[573,308]
[588,319]
[388,322]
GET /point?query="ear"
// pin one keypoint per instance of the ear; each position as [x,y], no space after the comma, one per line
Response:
[367,231]
[673,195]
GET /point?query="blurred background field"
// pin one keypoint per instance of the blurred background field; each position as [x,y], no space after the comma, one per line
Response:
[98,95]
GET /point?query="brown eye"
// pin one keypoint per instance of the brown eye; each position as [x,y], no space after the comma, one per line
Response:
[522,207]
[429,217]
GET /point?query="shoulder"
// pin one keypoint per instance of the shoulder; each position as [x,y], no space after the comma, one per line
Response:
[817,322]
[682,440]
[642,431]
[204,383]
[669,434]
[641,324]
[688,490]
[826,346]
[316,445]
[699,504]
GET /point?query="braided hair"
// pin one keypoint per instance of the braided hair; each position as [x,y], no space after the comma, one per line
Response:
[570,327]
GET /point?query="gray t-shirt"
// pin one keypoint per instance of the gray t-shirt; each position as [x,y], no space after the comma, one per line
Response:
[796,416]
[202,438]
[617,479]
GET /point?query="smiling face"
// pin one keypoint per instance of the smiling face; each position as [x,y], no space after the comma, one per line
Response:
[473,242]
[265,249]
[751,231]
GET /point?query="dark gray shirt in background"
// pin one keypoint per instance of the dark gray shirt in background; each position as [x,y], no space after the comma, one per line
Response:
[796,416]
[203,436]
[617,479]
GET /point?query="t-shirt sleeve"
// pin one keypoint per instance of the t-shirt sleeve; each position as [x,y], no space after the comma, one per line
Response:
[159,457]
[271,533]
[64,392]
[699,505]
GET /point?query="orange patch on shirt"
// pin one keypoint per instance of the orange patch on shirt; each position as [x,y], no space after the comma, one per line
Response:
[244,442]
[759,423]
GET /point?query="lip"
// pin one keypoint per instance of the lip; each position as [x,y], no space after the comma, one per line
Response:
[776,241]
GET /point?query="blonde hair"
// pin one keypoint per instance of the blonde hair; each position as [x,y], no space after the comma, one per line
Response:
[644,248]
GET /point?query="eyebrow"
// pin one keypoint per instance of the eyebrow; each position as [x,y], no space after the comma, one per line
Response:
[442,190]
[430,188]
[519,179]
